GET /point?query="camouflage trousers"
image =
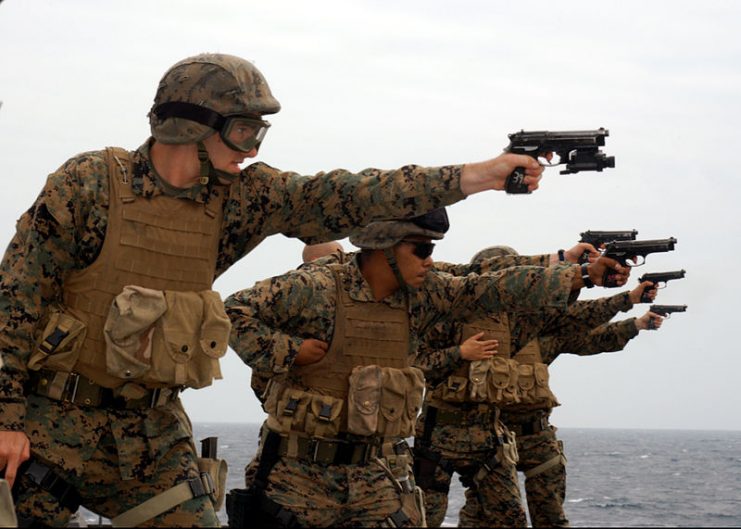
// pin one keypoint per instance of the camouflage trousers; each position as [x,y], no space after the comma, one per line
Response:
[492,497]
[116,460]
[545,490]
[343,495]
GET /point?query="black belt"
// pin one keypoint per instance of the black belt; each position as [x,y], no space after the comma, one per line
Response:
[468,416]
[521,429]
[338,451]
[74,388]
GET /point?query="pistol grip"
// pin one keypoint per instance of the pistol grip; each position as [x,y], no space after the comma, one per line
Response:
[607,282]
[651,324]
[584,258]
[644,294]
[514,184]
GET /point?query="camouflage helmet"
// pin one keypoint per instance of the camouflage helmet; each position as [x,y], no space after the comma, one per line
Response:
[217,82]
[386,233]
[493,251]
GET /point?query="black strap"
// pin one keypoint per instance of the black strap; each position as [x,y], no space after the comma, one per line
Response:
[47,479]
[430,421]
[268,458]
[193,112]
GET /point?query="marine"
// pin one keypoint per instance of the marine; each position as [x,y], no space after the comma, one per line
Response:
[463,429]
[107,300]
[341,341]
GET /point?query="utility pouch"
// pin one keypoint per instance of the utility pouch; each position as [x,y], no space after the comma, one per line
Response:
[217,469]
[128,331]
[289,413]
[58,347]
[454,389]
[502,381]
[543,392]
[402,391]
[364,398]
[526,383]
[478,372]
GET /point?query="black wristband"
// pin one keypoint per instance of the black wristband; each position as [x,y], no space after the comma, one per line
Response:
[561,256]
[585,275]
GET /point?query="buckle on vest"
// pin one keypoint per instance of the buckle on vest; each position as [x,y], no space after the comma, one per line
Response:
[51,342]
[325,414]
[290,408]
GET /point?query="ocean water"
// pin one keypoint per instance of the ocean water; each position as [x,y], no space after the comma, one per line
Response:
[616,478]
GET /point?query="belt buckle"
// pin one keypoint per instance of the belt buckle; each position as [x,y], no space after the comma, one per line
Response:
[75,378]
[156,392]
[543,423]
[313,449]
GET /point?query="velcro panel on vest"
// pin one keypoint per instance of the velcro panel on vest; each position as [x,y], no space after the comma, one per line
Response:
[375,339]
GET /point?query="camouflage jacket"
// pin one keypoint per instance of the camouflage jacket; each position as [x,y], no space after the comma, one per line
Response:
[270,320]
[65,227]
[262,371]
[442,343]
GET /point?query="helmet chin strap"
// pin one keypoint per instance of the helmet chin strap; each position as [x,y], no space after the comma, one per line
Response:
[209,175]
[391,259]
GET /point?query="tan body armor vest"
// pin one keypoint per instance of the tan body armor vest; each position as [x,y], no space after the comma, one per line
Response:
[484,381]
[160,243]
[535,391]
[364,385]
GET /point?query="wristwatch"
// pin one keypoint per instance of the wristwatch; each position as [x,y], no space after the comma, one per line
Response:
[585,276]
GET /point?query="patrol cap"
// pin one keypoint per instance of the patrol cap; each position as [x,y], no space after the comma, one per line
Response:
[197,93]
[386,233]
[491,252]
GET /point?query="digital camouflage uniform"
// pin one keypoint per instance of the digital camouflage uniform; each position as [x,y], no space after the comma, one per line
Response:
[63,232]
[271,320]
[471,435]
[541,453]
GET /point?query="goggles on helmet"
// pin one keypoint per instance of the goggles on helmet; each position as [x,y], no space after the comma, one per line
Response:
[241,133]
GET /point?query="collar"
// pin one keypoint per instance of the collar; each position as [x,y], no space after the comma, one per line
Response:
[358,289]
[147,183]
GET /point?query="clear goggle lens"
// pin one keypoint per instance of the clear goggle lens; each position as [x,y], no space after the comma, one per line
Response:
[244,134]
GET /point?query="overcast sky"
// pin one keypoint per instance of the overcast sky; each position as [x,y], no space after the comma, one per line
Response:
[383,84]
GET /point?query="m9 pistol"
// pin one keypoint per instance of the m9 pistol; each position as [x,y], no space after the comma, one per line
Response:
[578,150]
[598,238]
[664,310]
[627,252]
[657,279]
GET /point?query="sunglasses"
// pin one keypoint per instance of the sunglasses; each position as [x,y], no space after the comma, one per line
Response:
[422,249]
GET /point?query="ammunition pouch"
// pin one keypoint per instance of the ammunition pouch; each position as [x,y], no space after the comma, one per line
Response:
[168,338]
[533,383]
[217,470]
[384,401]
[492,381]
[294,410]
